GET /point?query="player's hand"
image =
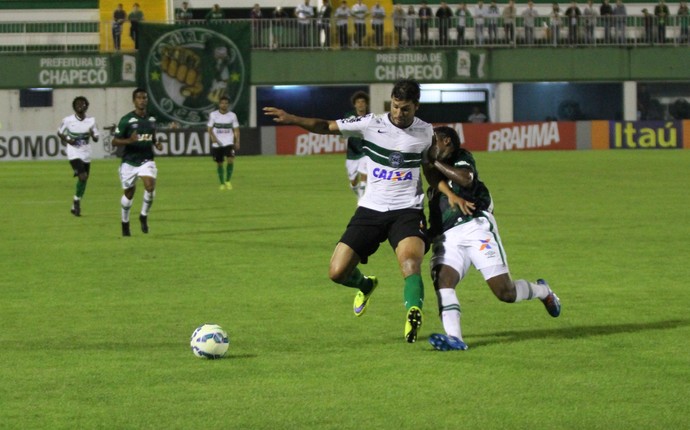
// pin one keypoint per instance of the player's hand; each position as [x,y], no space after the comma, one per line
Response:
[158,145]
[134,137]
[279,115]
[183,65]
[466,207]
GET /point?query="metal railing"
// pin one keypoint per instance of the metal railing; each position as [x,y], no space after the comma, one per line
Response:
[285,34]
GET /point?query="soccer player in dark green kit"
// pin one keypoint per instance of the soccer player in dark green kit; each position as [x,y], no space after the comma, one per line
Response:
[465,233]
[136,133]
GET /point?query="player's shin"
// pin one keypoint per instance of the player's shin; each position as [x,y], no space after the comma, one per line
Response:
[449,311]
[526,290]
[148,202]
[126,205]
[414,291]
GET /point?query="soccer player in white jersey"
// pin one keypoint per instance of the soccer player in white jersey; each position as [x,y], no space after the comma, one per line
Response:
[392,207]
[224,131]
[76,131]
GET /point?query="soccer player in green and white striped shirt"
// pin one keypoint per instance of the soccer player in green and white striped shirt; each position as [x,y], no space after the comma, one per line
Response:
[224,132]
[76,131]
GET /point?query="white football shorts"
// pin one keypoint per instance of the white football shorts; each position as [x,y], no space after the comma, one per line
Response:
[129,173]
[356,167]
[476,243]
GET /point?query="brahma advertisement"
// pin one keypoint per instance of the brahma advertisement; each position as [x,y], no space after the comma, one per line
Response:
[528,136]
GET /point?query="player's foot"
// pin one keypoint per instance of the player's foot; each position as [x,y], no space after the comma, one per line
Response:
[362,300]
[551,302]
[413,323]
[125,229]
[76,208]
[443,342]
[144,220]
[223,187]
[228,185]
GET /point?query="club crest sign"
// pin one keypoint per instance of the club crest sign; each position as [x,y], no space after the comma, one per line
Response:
[188,70]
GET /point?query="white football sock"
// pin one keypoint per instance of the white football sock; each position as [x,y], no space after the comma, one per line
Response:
[148,201]
[126,205]
[449,308]
[529,290]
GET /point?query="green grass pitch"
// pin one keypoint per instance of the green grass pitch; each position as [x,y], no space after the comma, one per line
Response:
[94,328]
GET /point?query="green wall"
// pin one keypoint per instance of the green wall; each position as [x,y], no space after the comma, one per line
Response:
[490,65]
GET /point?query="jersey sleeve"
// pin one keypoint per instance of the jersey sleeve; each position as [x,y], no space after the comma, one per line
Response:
[121,131]
[210,120]
[94,130]
[235,122]
[354,126]
[62,127]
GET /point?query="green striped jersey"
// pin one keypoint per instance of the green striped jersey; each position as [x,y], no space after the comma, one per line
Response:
[395,157]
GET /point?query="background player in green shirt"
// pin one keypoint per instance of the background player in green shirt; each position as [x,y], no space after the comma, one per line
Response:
[136,132]
[464,233]
[356,161]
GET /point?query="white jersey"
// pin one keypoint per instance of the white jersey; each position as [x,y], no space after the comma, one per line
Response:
[223,125]
[395,158]
[80,131]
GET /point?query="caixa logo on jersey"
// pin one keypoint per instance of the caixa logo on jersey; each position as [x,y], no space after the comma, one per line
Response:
[189,70]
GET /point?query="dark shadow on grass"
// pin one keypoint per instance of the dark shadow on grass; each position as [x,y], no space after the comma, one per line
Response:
[577,332]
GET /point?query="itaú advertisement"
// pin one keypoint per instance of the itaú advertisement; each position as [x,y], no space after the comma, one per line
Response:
[293,140]
[517,136]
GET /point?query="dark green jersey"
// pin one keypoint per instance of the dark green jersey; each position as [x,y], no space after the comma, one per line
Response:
[354,144]
[441,216]
[140,152]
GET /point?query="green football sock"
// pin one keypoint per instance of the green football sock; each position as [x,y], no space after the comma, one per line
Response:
[414,291]
[357,280]
[81,188]
[229,169]
[220,174]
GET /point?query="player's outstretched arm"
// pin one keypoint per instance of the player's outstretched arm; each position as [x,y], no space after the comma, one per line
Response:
[315,125]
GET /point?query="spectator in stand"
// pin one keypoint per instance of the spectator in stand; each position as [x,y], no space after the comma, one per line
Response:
[573,15]
[529,17]
[304,14]
[683,15]
[477,116]
[648,23]
[661,13]
[359,12]
[479,13]
[425,15]
[411,23]
[216,14]
[555,23]
[398,23]
[443,16]
[134,18]
[492,16]
[378,15]
[606,12]
[257,26]
[509,14]
[183,15]
[323,22]
[342,15]
[279,17]
[590,16]
[119,17]
[620,15]
[462,14]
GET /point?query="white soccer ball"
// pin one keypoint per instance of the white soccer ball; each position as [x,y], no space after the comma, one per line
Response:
[210,341]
